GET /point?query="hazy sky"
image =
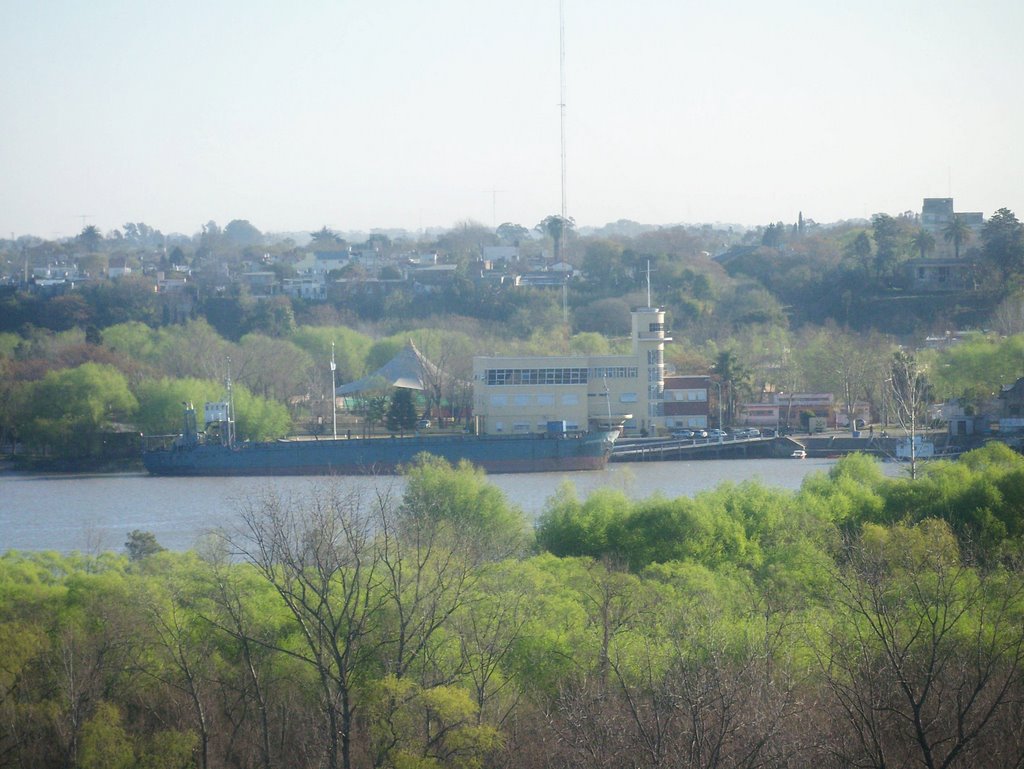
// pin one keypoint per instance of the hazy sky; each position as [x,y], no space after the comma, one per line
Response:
[402,113]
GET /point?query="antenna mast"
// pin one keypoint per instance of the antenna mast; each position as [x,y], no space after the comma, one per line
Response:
[648,282]
[561,72]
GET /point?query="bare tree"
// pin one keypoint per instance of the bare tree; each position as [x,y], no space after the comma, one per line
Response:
[910,393]
[320,556]
[925,658]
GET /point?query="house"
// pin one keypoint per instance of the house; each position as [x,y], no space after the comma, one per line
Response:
[261,283]
[310,287]
[686,402]
[498,253]
[1011,398]
[941,274]
[118,267]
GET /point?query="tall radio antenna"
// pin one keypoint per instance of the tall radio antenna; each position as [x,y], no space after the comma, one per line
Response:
[561,72]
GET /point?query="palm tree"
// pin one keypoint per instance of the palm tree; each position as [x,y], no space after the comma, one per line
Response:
[957,232]
[924,242]
[556,227]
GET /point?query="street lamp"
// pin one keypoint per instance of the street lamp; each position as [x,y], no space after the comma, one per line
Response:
[334,395]
[718,384]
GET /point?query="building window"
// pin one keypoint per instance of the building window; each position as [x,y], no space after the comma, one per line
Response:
[627,398]
[535,376]
[613,372]
[656,327]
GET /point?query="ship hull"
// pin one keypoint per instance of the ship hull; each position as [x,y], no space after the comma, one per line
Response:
[383,456]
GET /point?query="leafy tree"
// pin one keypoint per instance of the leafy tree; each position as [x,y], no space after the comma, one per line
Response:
[241,233]
[351,348]
[735,377]
[1003,237]
[460,497]
[127,299]
[508,232]
[774,235]
[258,418]
[68,409]
[90,237]
[105,743]
[888,243]
[272,317]
[69,311]
[274,368]
[326,237]
[141,544]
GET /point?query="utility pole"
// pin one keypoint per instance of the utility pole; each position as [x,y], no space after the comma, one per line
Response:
[334,397]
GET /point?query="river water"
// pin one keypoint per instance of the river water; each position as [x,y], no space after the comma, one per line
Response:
[92,513]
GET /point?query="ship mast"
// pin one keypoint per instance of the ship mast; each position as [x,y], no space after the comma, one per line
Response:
[231,409]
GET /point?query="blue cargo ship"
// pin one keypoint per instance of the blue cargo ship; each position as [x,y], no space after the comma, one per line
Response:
[216,453]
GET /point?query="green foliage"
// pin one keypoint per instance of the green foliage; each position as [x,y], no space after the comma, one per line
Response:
[104,743]
[8,344]
[849,495]
[384,350]
[351,349]
[67,409]
[161,402]
[977,497]
[568,527]
[258,418]
[461,497]
[744,598]
[169,749]
[977,367]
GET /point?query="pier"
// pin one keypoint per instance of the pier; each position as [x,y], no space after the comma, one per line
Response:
[815,446]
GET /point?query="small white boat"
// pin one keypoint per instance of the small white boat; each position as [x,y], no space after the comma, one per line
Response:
[799,454]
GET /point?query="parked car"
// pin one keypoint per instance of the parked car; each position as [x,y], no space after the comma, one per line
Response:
[700,433]
[683,434]
[716,433]
[422,424]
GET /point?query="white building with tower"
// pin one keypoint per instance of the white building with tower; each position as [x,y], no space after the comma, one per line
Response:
[523,394]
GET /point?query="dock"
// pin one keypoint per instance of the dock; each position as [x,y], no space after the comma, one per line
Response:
[816,446]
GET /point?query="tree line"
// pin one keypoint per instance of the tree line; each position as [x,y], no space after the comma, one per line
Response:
[860,621]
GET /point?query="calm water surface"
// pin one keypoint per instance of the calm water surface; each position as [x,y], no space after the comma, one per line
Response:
[92,513]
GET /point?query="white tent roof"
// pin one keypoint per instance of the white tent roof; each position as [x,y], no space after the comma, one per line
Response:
[408,369]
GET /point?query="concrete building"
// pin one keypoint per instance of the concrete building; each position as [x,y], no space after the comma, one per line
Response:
[523,394]
[787,410]
[937,214]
